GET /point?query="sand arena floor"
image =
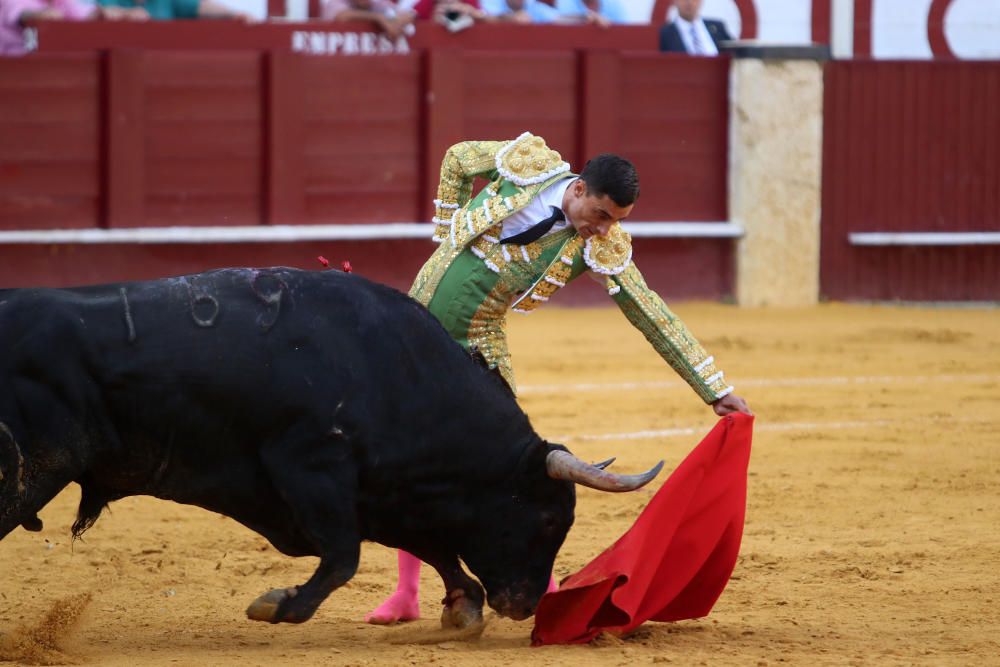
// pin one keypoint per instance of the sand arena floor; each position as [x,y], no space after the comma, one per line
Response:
[872,535]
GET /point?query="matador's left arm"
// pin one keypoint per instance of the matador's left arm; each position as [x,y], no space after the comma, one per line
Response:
[666,332]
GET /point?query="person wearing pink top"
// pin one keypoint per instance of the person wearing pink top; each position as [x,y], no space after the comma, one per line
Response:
[15,13]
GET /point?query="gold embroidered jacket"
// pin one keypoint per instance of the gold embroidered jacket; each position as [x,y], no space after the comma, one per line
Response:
[472,280]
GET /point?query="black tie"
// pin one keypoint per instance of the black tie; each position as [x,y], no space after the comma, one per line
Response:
[538,230]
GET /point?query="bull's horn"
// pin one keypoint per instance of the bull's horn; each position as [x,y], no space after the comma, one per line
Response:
[563,465]
[605,463]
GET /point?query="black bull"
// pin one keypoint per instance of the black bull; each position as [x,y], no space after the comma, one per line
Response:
[316,408]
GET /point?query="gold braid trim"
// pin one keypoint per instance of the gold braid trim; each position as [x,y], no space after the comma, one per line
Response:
[472,223]
[431,273]
[459,168]
[488,334]
[528,161]
[555,276]
[668,335]
[487,329]
[609,255]
[497,256]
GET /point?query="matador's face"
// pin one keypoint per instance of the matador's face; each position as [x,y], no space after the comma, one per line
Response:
[589,214]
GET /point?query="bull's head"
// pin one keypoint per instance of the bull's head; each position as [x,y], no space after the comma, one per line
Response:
[519,536]
[29,479]
[13,488]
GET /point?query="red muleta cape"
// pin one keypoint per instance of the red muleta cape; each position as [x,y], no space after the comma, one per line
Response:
[675,561]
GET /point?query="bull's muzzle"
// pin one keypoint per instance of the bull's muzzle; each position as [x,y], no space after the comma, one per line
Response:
[517,606]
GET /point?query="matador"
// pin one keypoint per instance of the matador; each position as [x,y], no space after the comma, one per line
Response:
[534,228]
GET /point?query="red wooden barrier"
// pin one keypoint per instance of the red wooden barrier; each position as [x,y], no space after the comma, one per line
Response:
[184,139]
[229,136]
[671,117]
[910,147]
[50,142]
[345,139]
[157,138]
[334,37]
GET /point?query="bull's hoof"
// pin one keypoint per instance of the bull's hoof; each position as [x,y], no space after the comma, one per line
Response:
[267,607]
[461,613]
[33,524]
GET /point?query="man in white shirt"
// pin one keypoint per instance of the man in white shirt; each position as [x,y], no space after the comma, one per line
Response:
[690,33]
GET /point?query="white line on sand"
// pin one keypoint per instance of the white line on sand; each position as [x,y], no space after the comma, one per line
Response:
[764,428]
[524,390]
[760,382]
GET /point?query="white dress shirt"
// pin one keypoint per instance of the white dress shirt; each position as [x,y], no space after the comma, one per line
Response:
[539,209]
[705,40]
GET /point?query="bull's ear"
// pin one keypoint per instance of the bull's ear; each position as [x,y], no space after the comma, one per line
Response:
[561,464]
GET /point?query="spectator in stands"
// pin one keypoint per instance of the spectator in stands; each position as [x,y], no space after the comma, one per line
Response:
[521,11]
[15,14]
[453,14]
[598,12]
[692,34]
[168,10]
[386,16]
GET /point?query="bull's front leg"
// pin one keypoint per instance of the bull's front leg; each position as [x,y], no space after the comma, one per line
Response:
[297,604]
[319,491]
[463,603]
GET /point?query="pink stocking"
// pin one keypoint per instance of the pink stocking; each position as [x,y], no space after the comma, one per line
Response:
[403,605]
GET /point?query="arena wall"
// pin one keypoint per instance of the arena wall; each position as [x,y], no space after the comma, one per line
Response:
[911,181]
[155,138]
[220,134]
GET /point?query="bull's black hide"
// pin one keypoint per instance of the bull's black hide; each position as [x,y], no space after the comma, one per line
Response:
[316,408]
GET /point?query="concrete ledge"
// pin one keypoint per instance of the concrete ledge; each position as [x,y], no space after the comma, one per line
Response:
[923,238]
[763,51]
[297,233]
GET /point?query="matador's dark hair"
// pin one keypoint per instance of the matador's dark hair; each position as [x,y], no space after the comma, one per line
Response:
[612,175]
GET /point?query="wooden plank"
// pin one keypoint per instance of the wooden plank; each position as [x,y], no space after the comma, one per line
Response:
[202,105]
[600,79]
[202,208]
[283,173]
[366,173]
[385,87]
[75,179]
[45,210]
[350,138]
[831,151]
[193,69]
[374,206]
[362,159]
[58,105]
[48,72]
[444,111]
[48,142]
[124,183]
[193,175]
[224,138]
